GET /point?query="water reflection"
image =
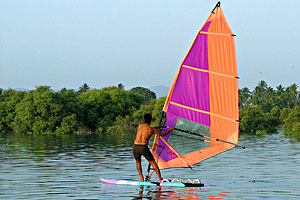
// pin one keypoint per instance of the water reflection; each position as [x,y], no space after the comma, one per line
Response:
[160,193]
[69,167]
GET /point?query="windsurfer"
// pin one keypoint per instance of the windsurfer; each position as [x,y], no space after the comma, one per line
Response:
[140,146]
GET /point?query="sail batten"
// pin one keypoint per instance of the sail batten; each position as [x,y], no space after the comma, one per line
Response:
[207,71]
[202,111]
[220,34]
[203,96]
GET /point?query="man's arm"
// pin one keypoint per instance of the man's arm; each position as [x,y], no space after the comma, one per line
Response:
[163,133]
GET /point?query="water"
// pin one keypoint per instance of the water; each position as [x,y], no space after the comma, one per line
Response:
[69,167]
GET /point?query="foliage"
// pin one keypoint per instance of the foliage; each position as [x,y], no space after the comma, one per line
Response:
[129,123]
[253,120]
[157,111]
[121,86]
[118,111]
[100,108]
[292,121]
[43,111]
[8,101]
[68,125]
[39,112]
[83,88]
[122,125]
[244,97]
[145,93]
[265,108]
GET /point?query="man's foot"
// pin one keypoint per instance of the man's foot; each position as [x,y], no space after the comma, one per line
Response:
[142,180]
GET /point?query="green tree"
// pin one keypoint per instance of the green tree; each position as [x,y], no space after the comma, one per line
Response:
[280,99]
[117,111]
[286,98]
[291,125]
[244,96]
[138,116]
[122,125]
[68,125]
[69,101]
[259,92]
[253,120]
[38,112]
[268,100]
[145,93]
[8,102]
[129,123]
[157,111]
[83,88]
[100,108]
[121,86]
[291,94]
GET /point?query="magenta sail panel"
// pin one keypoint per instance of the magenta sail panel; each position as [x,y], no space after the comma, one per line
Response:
[191,115]
[198,56]
[165,152]
[191,92]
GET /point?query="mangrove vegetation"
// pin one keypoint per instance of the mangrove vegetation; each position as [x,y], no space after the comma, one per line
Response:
[114,110]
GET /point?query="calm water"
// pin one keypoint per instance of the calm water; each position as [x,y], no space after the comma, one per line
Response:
[69,167]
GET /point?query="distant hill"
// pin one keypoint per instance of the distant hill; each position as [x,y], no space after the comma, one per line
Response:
[160,90]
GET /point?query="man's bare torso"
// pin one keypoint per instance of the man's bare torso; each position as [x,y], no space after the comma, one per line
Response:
[144,132]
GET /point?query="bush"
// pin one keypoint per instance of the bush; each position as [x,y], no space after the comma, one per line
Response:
[291,119]
[254,121]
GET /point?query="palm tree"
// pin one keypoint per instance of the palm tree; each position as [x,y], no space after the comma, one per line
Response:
[83,88]
[244,97]
[259,91]
[291,94]
[121,86]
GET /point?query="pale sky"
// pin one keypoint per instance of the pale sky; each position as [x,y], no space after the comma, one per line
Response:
[65,43]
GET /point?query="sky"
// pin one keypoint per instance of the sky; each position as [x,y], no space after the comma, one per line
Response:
[66,43]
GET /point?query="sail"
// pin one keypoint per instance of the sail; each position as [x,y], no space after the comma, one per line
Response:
[204,94]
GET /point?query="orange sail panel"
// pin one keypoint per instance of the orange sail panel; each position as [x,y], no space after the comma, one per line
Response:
[204,94]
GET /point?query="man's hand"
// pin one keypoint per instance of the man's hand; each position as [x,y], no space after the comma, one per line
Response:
[171,129]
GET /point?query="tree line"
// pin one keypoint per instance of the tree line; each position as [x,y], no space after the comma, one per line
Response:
[44,111]
[265,109]
[115,110]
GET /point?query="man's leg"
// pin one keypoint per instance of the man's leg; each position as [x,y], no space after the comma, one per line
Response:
[156,169]
[139,169]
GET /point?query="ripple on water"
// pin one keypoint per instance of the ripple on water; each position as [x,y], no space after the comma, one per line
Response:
[42,168]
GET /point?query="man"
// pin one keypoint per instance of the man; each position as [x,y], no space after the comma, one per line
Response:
[140,146]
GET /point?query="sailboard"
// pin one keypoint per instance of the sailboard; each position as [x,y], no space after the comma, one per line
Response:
[203,99]
[148,183]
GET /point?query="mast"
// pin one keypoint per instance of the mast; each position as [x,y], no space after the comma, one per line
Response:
[149,166]
[217,5]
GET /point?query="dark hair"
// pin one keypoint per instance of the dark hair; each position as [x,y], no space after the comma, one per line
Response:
[147,118]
